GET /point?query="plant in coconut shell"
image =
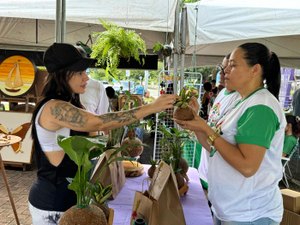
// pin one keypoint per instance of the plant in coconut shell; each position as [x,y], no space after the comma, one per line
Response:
[81,150]
[134,146]
[152,168]
[183,111]
[172,144]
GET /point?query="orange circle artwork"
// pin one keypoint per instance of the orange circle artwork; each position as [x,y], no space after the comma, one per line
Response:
[17,75]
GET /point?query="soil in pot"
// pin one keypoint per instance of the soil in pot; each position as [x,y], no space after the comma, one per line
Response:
[91,215]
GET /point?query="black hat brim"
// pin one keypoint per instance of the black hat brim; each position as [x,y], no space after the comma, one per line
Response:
[82,64]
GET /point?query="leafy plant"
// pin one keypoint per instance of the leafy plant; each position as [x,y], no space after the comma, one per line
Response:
[162,50]
[81,150]
[185,95]
[116,42]
[183,112]
[172,144]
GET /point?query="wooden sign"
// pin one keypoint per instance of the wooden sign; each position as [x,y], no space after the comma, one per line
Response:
[21,152]
[17,75]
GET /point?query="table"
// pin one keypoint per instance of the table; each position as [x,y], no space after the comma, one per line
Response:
[195,207]
[10,139]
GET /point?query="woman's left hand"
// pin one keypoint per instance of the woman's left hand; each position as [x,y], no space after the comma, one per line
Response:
[196,124]
[193,103]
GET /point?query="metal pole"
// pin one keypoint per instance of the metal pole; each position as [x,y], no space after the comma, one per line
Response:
[58,22]
[63,20]
[176,46]
[183,42]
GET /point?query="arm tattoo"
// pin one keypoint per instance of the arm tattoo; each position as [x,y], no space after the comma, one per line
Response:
[67,113]
[121,117]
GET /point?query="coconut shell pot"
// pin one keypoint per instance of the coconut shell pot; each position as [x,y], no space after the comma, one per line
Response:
[134,146]
[183,113]
[91,215]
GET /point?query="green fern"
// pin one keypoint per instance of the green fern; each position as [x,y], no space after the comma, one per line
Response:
[116,42]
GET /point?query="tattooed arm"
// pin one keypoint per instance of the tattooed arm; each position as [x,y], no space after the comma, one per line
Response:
[57,114]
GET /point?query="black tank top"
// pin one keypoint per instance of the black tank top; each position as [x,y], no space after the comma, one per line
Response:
[50,191]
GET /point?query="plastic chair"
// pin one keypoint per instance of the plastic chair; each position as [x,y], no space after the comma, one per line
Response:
[287,173]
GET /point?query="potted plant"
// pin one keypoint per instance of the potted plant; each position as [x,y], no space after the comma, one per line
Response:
[162,50]
[81,150]
[152,168]
[172,144]
[114,44]
[182,109]
[134,146]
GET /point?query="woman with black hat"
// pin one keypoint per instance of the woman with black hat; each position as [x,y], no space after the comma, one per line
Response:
[61,113]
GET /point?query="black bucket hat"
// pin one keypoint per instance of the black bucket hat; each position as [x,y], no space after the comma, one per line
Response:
[66,56]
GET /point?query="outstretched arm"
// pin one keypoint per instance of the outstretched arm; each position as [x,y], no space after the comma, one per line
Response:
[58,114]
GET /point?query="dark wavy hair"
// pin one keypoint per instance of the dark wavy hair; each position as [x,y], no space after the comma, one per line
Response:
[256,53]
[57,87]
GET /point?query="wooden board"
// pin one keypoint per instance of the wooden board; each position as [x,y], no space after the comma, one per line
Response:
[10,121]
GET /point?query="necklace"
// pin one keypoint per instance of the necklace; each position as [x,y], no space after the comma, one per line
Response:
[243,99]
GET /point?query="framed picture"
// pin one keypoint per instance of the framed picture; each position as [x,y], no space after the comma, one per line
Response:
[17,74]
[18,124]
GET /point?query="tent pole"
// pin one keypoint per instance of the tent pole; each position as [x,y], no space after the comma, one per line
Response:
[176,46]
[60,22]
[183,42]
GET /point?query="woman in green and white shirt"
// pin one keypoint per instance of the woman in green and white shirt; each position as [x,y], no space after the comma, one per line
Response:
[245,145]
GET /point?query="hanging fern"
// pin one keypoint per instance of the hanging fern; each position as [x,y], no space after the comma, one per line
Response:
[115,43]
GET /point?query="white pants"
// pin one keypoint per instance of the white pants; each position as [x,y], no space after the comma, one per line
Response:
[43,217]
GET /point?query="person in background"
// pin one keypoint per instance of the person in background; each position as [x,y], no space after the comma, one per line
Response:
[245,144]
[113,98]
[140,90]
[94,99]
[214,88]
[60,112]
[296,103]
[205,100]
[292,133]
[223,103]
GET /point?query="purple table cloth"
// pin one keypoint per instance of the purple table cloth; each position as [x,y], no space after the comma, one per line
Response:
[195,207]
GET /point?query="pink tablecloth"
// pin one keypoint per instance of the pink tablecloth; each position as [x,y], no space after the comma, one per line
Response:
[196,210]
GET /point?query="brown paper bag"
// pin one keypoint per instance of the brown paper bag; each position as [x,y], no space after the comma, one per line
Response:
[163,188]
[145,207]
[109,174]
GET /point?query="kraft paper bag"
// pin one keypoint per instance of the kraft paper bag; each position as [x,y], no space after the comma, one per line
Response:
[145,207]
[112,173]
[162,200]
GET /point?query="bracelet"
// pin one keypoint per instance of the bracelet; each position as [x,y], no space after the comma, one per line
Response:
[211,138]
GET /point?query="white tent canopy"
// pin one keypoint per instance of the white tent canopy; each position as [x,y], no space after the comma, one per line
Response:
[216,27]
[30,24]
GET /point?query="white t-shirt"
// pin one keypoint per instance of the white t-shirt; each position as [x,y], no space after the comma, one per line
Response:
[258,120]
[94,98]
[222,104]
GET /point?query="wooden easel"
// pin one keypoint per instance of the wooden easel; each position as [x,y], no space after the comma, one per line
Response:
[11,139]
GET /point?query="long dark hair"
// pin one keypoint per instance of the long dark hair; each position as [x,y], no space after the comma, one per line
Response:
[57,87]
[256,53]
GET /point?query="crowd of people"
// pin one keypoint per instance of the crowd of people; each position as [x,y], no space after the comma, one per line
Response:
[241,127]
